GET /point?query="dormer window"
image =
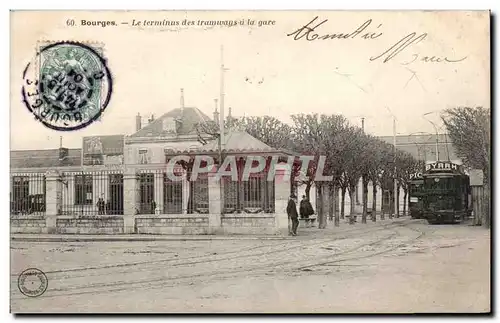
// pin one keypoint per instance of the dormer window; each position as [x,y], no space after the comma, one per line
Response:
[169,125]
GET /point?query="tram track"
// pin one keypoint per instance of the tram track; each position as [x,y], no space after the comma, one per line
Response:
[241,253]
[313,260]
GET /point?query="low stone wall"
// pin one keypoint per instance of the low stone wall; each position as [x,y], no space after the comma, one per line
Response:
[172,224]
[28,224]
[102,224]
[248,224]
[190,224]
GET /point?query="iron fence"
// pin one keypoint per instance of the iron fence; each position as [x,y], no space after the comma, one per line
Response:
[253,196]
[27,194]
[159,194]
[92,193]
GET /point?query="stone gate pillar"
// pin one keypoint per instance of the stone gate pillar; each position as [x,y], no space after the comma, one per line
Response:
[53,199]
[282,193]
[130,199]
[214,204]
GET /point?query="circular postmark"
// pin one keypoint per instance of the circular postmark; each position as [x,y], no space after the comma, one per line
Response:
[67,86]
[32,282]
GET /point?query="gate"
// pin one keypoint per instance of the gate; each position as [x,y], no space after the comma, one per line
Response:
[115,194]
[158,194]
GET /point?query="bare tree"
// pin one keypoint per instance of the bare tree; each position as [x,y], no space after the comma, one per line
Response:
[406,165]
[470,133]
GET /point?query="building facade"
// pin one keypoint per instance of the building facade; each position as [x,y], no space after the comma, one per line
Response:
[425,146]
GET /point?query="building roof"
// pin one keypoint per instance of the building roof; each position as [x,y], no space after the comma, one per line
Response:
[237,141]
[44,158]
[185,120]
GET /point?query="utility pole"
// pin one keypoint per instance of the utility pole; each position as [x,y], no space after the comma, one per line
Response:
[435,129]
[395,178]
[221,101]
[221,126]
[357,185]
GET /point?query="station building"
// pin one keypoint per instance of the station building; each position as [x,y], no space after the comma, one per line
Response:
[118,184]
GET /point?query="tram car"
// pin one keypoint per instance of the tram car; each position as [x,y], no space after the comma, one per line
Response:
[416,196]
[446,193]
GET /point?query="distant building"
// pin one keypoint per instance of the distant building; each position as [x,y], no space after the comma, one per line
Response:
[44,158]
[173,131]
[423,146]
[102,150]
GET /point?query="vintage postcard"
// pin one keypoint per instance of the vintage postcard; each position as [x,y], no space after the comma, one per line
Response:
[250,162]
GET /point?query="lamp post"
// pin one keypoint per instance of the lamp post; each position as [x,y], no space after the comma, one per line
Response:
[435,128]
[395,169]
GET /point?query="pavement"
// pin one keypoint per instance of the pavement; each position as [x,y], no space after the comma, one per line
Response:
[303,231]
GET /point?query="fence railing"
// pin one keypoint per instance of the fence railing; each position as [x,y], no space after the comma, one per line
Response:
[253,196]
[85,192]
[27,194]
[92,193]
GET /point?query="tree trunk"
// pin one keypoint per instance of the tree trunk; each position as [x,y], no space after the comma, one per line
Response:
[405,196]
[374,203]
[397,202]
[352,192]
[308,190]
[391,204]
[321,213]
[356,189]
[335,203]
[383,206]
[365,199]
[331,201]
[342,203]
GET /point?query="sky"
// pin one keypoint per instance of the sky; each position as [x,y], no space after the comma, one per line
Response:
[269,73]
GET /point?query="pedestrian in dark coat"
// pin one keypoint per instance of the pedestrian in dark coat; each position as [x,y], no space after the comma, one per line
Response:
[153,207]
[291,210]
[100,206]
[306,208]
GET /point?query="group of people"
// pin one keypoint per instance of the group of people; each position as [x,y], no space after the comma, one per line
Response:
[305,211]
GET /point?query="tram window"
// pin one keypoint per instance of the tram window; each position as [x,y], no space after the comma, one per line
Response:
[440,183]
[416,188]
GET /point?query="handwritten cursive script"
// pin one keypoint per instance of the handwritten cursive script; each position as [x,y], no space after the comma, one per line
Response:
[432,59]
[308,32]
[407,41]
[398,47]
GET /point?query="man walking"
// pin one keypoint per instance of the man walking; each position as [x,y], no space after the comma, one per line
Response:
[291,210]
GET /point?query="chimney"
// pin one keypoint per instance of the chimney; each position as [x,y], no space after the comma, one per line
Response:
[63,152]
[152,118]
[138,122]
[216,113]
[63,155]
[229,113]
[182,101]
